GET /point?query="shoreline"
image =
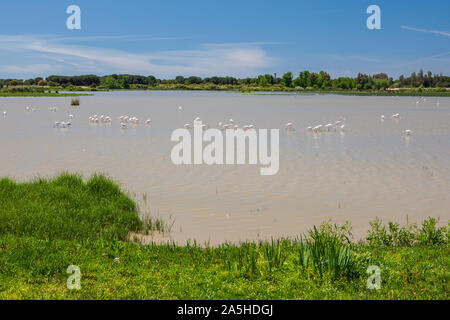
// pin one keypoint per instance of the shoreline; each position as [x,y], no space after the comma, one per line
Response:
[253,91]
[34,94]
[51,225]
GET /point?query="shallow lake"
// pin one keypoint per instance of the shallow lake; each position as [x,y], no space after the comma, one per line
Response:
[369,170]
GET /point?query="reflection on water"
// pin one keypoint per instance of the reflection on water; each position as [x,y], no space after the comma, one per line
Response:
[369,170]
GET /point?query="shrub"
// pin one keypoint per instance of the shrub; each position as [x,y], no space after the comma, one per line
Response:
[429,234]
[394,235]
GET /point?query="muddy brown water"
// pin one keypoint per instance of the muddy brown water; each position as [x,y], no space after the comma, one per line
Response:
[369,170]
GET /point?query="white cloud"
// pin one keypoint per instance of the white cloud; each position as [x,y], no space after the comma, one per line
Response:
[51,55]
[27,69]
[345,58]
[443,33]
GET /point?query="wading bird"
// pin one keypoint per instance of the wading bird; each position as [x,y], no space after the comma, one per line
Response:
[407,132]
[289,126]
[317,129]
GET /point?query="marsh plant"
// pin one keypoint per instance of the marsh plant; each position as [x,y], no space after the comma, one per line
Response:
[242,260]
[75,102]
[151,224]
[274,253]
[325,251]
[393,234]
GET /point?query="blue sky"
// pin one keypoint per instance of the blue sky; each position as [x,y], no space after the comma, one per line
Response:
[211,37]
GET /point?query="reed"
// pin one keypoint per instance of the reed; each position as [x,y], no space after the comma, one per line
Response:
[75,102]
[325,253]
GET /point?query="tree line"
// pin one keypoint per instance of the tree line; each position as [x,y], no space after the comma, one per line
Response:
[304,80]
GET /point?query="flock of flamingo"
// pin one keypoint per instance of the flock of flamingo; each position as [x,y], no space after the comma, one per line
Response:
[337,126]
[230,124]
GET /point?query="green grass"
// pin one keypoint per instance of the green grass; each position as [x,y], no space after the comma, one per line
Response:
[48,224]
[41,94]
[36,269]
[67,208]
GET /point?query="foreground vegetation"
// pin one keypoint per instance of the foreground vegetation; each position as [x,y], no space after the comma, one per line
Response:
[48,224]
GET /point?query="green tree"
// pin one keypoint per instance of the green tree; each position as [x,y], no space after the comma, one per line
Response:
[303,79]
[110,82]
[180,80]
[270,79]
[194,80]
[263,81]
[286,80]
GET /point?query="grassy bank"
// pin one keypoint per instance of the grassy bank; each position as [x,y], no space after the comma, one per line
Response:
[48,224]
[438,92]
[281,89]
[255,89]
[41,94]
